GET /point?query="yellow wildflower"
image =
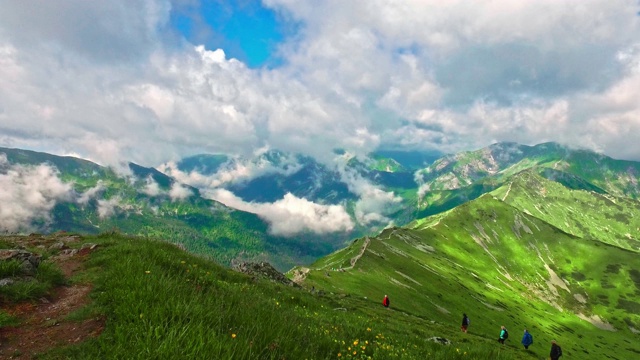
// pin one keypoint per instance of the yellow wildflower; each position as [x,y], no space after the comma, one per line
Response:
[233,336]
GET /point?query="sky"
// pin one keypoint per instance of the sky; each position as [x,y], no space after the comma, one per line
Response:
[152,81]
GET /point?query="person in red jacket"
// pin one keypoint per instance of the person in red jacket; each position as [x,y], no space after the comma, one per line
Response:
[385,301]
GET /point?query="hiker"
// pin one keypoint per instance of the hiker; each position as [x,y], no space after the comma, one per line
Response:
[465,323]
[527,339]
[504,334]
[385,301]
[556,351]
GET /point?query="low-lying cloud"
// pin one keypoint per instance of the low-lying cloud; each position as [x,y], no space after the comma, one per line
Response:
[179,192]
[374,204]
[292,215]
[28,194]
[234,171]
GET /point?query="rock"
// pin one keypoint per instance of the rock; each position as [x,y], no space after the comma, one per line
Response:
[89,246]
[71,238]
[5,282]
[29,261]
[69,252]
[58,246]
[440,340]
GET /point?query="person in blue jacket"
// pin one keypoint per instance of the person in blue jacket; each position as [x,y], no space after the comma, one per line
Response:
[527,339]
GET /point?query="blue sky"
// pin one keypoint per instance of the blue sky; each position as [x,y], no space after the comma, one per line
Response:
[245,29]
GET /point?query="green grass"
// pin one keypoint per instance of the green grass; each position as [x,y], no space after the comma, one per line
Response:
[612,220]
[45,278]
[162,303]
[9,268]
[6,319]
[488,259]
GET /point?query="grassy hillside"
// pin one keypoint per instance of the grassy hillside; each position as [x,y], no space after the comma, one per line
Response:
[169,304]
[610,219]
[502,267]
[458,178]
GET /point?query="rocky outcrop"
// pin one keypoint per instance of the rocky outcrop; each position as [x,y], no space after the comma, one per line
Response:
[28,261]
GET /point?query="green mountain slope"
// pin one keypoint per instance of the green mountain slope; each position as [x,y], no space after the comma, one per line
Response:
[607,218]
[501,160]
[455,179]
[501,266]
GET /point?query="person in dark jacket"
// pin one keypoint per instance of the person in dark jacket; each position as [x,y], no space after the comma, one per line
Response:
[503,334]
[556,351]
[527,339]
[385,301]
[465,323]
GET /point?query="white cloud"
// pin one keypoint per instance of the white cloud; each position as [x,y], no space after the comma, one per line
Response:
[107,207]
[235,171]
[151,187]
[292,215]
[179,192]
[28,194]
[109,81]
[374,203]
[91,193]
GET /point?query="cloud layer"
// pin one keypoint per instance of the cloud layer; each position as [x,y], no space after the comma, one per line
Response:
[112,81]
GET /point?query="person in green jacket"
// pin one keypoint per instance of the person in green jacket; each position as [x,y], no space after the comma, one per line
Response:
[504,334]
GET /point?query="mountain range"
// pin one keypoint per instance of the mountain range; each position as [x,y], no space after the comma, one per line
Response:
[349,196]
[539,237]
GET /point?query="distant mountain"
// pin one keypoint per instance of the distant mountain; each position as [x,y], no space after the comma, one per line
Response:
[149,203]
[523,256]
[456,179]
[384,189]
[407,160]
[281,173]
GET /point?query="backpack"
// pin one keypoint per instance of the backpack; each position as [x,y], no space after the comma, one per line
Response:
[559,351]
[506,334]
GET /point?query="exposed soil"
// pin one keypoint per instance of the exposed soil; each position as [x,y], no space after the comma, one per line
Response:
[43,324]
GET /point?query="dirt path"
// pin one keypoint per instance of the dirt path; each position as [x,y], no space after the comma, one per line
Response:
[43,324]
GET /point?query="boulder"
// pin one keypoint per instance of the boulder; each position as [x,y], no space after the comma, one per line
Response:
[29,262]
[440,340]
